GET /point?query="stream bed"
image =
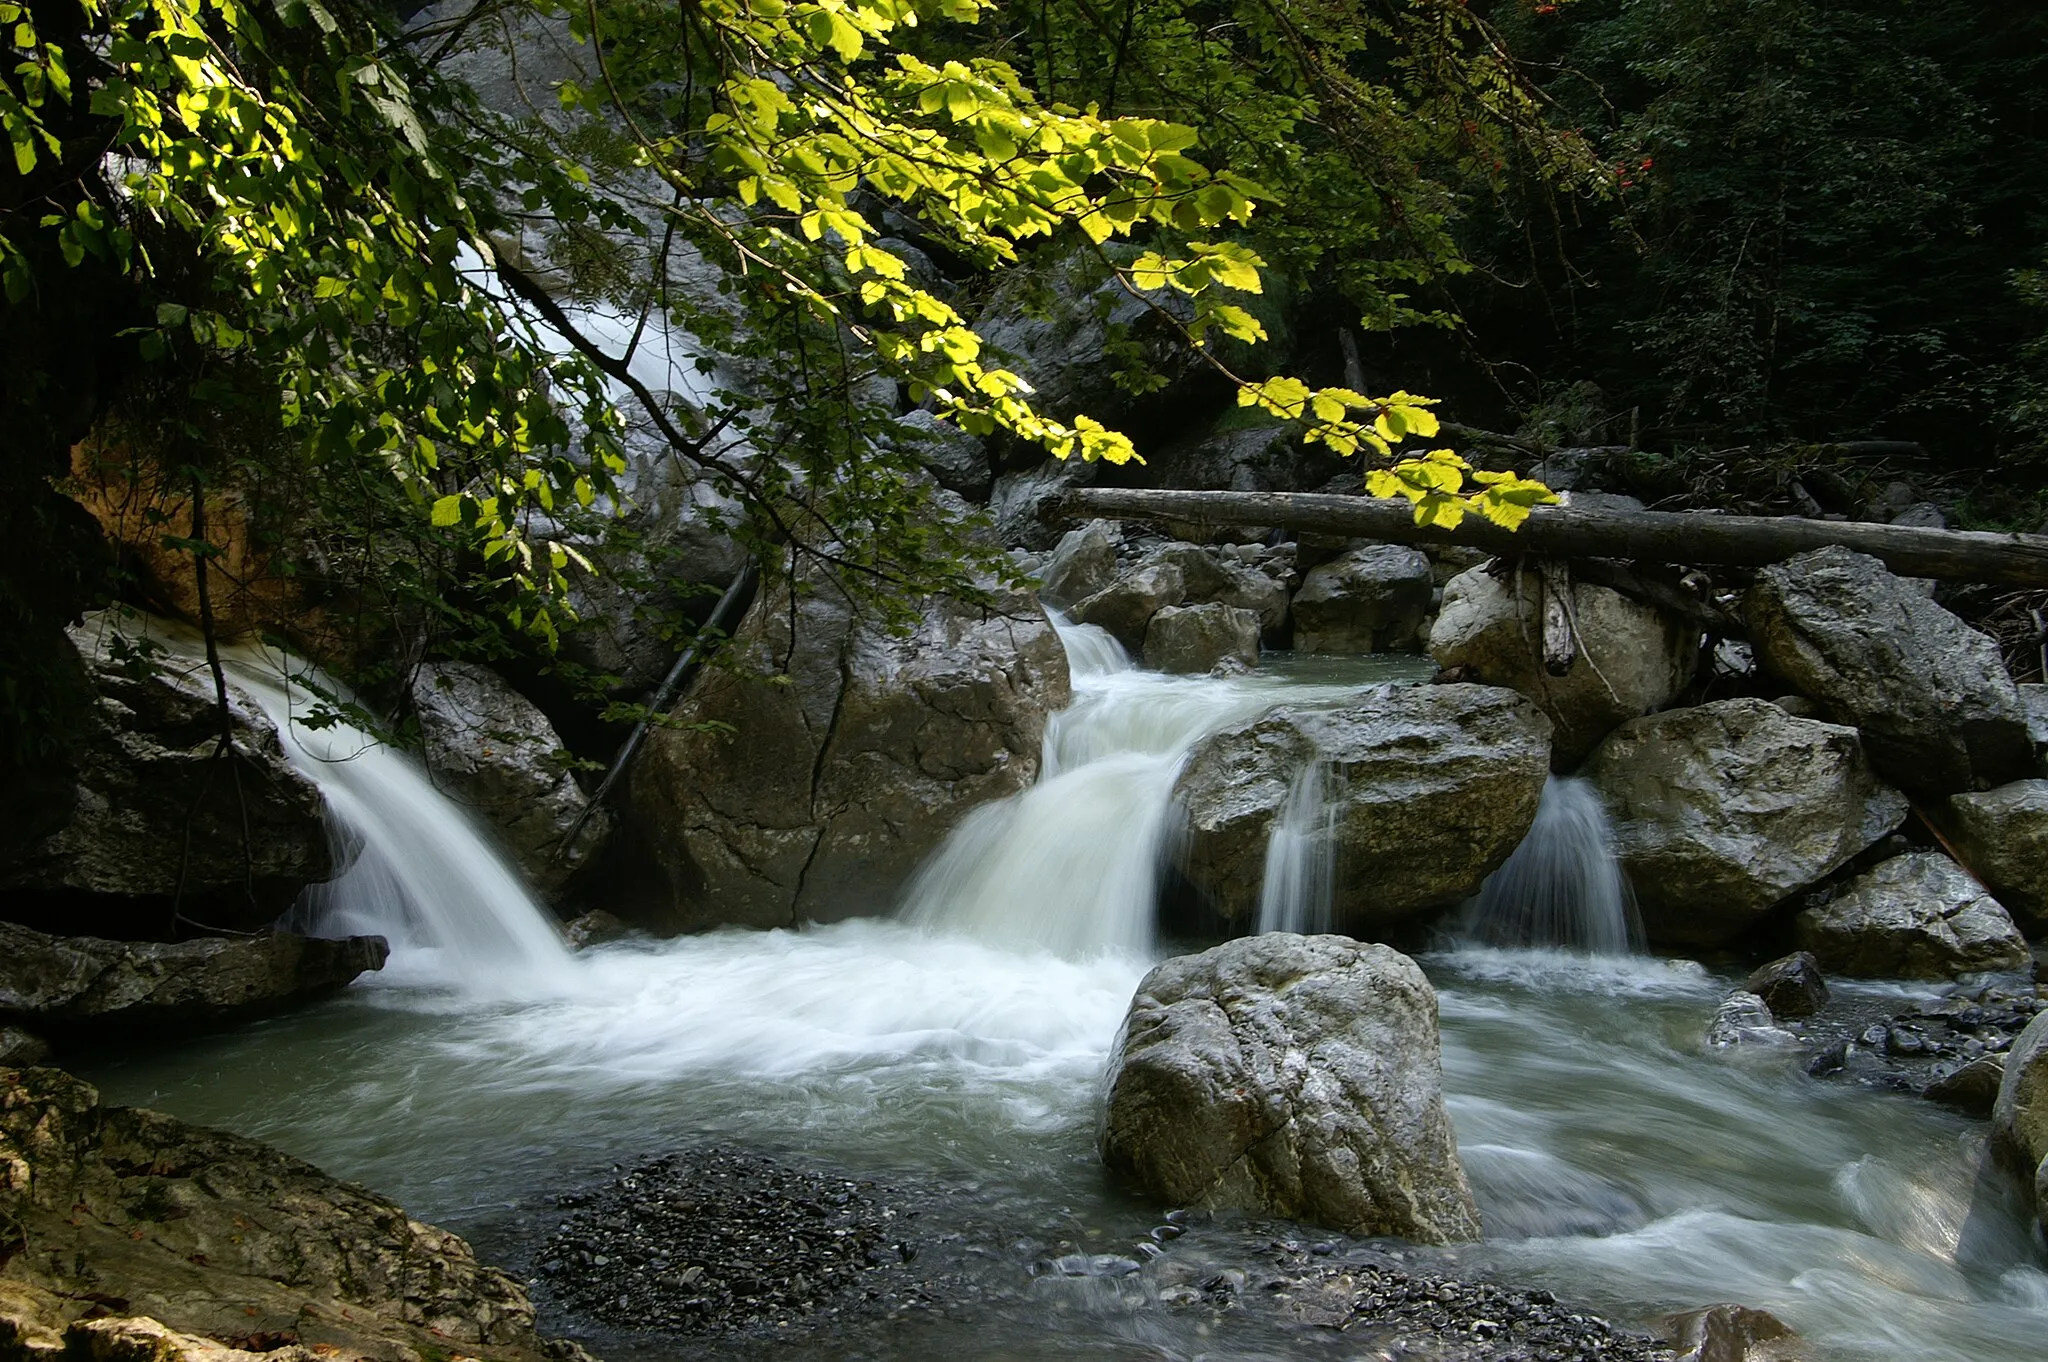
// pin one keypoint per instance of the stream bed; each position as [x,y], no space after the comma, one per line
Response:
[943,1066]
[1616,1163]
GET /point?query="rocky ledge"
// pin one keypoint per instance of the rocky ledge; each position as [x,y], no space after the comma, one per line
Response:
[83,988]
[127,1236]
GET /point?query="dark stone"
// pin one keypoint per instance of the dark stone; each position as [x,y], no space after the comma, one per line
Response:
[88,988]
[1791,986]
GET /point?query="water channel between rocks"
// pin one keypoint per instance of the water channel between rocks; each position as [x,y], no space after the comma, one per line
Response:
[956,1053]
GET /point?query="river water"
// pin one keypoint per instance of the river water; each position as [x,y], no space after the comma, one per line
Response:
[958,1048]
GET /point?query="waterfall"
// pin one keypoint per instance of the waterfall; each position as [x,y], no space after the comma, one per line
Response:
[413,868]
[1297,893]
[1563,886]
[1071,865]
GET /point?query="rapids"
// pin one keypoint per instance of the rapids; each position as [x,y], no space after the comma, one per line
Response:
[959,1047]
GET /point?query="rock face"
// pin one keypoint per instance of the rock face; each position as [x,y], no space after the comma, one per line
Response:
[2002,834]
[491,750]
[1937,711]
[1435,786]
[1083,563]
[1917,916]
[61,986]
[1632,658]
[1293,1076]
[2019,1119]
[1371,600]
[1197,638]
[1745,1019]
[958,460]
[1207,579]
[148,806]
[849,755]
[1723,810]
[148,1240]
[1126,607]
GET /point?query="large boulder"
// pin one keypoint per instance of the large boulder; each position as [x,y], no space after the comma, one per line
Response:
[138,1238]
[1723,810]
[1369,600]
[1126,606]
[2002,835]
[1028,506]
[810,775]
[1632,658]
[1931,695]
[2019,1118]
[155,820]
[491,750]
[1292,1076]
[1083,563]
[1199,638]
[1248,451]
[1434,786]
[1917,916]
[72,987]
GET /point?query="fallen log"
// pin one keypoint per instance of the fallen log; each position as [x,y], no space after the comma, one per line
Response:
[1574,532]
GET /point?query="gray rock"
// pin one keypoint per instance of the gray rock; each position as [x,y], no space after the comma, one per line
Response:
[202,1245]
[2002,835]
[1930,694]
[491,750]
[1125,608]
[82,986]
[1924,515]
[1744,1019]
[846,754]
[958,460]
[151,817]
[2019,1119]
[1027,505]
[2034,700]
[1917,916]
[1723,810]
[595,928]
[1292,1076]
[1435,786]
[1247,452]
[1632,658]
[1206,578]
[1971,1087]
[1790,986]
[1199,638]
[1729,1333]
[21,1050]
[1083,563]
[1370,600]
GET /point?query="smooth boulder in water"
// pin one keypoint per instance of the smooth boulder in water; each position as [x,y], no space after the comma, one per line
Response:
[1433,787]
[1199,638]
[809,781]
[1298,1076]
[1369,600]
[1917,916]
[1723,810]
[2019,1118]
[1931,696]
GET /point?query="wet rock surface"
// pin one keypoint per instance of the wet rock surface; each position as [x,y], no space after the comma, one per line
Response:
[1928,1047]
[1386,1306]
[719,1240]
[85,988]
[1916,916]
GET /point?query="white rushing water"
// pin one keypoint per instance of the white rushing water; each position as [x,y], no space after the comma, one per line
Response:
[412,867]
[1615,1159]
[1072,865]
[1563,886]
[1297,893]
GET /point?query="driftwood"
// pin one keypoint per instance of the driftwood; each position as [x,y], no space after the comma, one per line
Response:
[2019,560]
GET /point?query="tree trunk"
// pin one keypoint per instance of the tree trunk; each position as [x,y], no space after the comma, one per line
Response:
[1572,532]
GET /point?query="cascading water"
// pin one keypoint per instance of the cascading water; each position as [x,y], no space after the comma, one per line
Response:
[414,869]
[1563,886]
[1297,892]
[1072,864]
